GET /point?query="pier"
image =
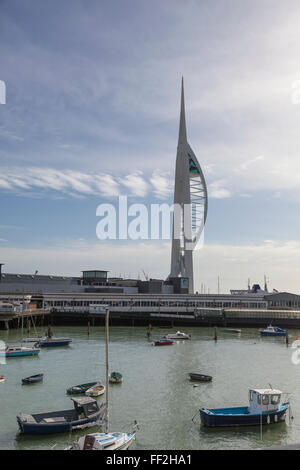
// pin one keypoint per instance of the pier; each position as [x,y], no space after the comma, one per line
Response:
[199,317]
[13,321]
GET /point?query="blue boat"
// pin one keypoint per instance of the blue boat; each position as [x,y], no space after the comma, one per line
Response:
[264,407]
[87,412]
[273,331]
[33,379]
[53,342]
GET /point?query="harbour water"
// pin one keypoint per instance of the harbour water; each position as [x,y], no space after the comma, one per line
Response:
[156,390]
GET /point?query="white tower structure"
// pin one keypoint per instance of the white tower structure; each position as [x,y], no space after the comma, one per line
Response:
[190,206]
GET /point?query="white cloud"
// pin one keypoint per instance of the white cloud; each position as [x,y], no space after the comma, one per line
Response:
[162,184]
[136,183]
[80,184]
[217,190]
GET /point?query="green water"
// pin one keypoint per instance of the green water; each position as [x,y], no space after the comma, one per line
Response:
[156,391]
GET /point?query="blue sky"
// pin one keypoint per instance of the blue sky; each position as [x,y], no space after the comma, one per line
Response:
[92,109]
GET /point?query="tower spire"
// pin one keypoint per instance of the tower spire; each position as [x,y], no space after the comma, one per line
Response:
[182,138]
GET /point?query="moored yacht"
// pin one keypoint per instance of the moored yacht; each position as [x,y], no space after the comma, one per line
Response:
[178,335]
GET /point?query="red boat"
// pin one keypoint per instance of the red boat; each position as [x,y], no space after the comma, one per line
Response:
[163,342]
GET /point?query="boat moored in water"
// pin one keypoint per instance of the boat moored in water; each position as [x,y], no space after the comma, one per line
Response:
[96,390]
[87,412]
[19,351]
[2,379]
[104,441]
[115,378]
[178,335]
[273,331]
[163,342]
[53,342]
[33,379]
[82,388]
[265,407]
[200,377]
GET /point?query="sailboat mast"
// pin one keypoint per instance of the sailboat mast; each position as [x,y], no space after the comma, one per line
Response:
[106,353]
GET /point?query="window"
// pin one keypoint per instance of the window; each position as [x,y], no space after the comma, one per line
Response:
[250,395]
[275,399]
[265,399]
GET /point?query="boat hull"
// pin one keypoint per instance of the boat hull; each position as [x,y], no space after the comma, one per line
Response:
[240,417]
[52,343]
[267,333]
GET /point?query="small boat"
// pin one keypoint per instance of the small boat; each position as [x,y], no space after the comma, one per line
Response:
[104,441]
[18,351]
[178,335]
[232,330]
[163,342]
[264,407]
[273,331]
[33,379]
[53,342]
[200,377]
[116,378]
[86,413]
[2,379]
[77,389]
[96,390]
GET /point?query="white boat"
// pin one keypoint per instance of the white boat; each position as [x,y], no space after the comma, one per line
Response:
[104,441]
[96,390]
[2,379]
[178,335]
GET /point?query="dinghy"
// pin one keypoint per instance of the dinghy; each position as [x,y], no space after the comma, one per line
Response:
[163,342]
[77,389]
[86,413]
[96,390]
[200,377]
[116,378]
[33,379]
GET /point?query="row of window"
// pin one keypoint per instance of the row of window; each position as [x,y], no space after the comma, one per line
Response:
[152,303]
